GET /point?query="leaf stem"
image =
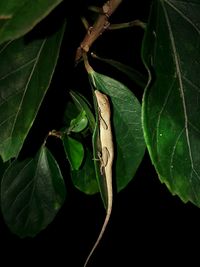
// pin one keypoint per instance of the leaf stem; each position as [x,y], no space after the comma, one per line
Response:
[95,9]
[55,133]
[85,23]
[129,24]
[89,69]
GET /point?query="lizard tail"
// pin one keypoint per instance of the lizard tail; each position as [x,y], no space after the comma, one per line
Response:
[108,213]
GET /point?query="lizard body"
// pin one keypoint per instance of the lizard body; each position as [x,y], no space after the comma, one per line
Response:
[106,157]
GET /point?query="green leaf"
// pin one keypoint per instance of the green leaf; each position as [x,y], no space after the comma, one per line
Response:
[82,104]
[171,107]
[130,72]
[84,179]
[79,123]
[26,71]
[127,129]
[32,192]
[19,17]
[74,151]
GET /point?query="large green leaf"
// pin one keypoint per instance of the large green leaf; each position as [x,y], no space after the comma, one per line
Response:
[127,129]
[32,192]
[26,70]
[171,108]
[19,17]
[74,151]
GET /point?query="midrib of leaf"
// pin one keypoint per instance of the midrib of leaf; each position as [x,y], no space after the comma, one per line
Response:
[21,192]
[43,154]
[182,95]
[32,181]
[29,79]
[33,189]
[27,204]
[14,180]
[182,15]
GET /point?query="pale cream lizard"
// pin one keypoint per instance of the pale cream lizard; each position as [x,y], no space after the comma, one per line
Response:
[106,157]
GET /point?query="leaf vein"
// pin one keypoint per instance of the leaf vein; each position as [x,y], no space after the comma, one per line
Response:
[7,119]
[5,46]
[191,84]
[173,153]
[17,69]
[7,99]
[194,127]
[14,180]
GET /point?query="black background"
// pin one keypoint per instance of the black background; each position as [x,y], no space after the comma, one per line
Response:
[148,224]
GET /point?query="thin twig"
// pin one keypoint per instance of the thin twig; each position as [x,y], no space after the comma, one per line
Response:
[95,9]
[129,24]
[98,28]
[85,23]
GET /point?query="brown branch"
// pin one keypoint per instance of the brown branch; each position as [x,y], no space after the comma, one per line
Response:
[98,28]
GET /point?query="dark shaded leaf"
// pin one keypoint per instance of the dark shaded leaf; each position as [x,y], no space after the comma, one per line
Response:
[171,107]
[85,179]
[71,111]
[19,17]
[3,167]
[32,192]
[82,104]
[26,70]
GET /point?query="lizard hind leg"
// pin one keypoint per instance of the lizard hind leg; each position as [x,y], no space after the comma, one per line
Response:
[105,156]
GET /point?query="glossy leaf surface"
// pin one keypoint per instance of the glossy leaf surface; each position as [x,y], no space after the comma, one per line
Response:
[79,123]
[26,70]
[171,109]
[32,192]
[19,17]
